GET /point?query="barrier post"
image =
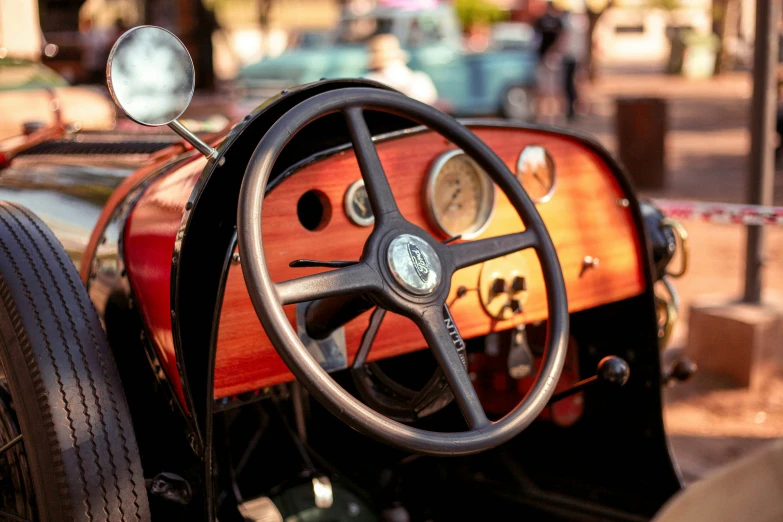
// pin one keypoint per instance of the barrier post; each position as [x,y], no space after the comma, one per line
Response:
[761,171]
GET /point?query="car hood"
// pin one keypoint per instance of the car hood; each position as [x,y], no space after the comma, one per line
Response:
[86,106]
[300,66]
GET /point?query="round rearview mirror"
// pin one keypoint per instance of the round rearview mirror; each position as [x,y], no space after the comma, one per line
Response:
[150,75]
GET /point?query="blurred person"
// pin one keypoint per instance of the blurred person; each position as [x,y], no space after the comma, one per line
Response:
[479,37]
[573,42]
[549,29]
[388,65]
[95,50]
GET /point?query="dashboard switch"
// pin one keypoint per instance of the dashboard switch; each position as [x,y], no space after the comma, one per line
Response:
[499,286]
[502,286]
[519,284]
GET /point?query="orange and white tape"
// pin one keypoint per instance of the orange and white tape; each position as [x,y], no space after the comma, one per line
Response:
[722,213]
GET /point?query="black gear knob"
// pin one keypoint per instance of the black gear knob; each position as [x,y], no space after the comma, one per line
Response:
[613,370]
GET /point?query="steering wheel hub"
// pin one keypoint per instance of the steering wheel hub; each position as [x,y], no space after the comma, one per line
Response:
[414,264]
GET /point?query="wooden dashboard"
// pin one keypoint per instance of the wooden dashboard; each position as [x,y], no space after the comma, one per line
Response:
[585,217]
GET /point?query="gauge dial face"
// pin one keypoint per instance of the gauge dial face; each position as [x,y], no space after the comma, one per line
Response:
[460,196]
[536,172]
[357,204]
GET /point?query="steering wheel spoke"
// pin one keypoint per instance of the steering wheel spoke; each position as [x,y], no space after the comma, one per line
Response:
[475,252]
[442,335]
[355,279]
[378,189]
[376,318]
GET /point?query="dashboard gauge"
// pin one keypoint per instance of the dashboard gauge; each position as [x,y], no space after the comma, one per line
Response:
[536,172]
[357,204]
[460,196]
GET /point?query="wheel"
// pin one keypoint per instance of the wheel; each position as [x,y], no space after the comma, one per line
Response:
[518,103]
[67,447]
[404,270]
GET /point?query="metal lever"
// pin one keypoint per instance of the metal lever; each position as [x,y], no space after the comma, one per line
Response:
[314,263]
[520,358]
[611,370]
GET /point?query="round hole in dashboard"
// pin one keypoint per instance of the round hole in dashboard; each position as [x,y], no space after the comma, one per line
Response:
[314,210]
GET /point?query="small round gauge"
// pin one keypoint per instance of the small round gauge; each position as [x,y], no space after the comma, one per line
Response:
[536,172]
[357,204]
[460,196]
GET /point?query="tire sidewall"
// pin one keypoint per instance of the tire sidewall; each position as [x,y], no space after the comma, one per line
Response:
[29,412]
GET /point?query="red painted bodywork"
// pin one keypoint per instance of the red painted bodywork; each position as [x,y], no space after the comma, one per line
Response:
[149,238]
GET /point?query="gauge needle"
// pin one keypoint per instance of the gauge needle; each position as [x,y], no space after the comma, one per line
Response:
[541,181]
[453,197]
[360,203]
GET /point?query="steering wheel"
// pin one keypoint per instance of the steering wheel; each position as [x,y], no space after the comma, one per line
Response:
[402,269]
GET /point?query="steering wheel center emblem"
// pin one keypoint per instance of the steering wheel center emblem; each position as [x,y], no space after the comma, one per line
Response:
[419,262]
[414,264]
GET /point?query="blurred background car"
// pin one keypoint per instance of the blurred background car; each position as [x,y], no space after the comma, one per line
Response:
[34,95]
[499,79]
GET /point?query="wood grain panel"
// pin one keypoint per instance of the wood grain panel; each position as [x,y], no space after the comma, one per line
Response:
[583,217]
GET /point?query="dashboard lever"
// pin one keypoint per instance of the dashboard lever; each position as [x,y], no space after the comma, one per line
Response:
[611,370]
[312,263]
[520,358]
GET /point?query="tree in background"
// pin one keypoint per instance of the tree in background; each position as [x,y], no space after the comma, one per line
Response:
[478,12]
[725,17]
[194,24]
[594,9]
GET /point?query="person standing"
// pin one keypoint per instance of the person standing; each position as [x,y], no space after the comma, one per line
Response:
[574,45]
[548,28]
[548,84]
[388,65]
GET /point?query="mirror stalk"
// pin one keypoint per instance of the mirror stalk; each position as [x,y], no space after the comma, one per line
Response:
[194,140]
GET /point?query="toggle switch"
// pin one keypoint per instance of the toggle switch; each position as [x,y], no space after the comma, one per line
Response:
[519,284]
[499,286]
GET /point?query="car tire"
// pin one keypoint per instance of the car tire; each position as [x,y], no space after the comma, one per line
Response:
[67,396]
[519,103]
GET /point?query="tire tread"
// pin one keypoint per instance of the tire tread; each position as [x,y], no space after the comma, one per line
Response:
[93,449]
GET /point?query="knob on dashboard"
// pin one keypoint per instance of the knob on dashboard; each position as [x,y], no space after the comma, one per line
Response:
[519,284]
[613,370]
[499,286]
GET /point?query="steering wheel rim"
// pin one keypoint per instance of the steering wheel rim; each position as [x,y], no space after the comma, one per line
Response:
[378,273]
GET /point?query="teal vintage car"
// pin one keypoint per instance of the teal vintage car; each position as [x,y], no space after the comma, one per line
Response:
[499,80]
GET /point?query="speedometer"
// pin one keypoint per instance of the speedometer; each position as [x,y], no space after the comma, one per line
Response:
[460,196]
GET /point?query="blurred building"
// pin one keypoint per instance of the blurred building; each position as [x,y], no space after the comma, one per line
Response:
[17,40]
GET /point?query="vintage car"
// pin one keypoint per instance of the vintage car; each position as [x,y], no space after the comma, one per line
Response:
[498,80]
[33,94]
[350,306]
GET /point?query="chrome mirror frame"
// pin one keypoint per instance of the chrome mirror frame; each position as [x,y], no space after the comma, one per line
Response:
[120,99]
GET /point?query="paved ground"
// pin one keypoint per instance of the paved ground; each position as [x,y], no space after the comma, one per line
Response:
[707,145]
